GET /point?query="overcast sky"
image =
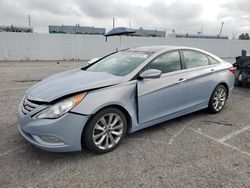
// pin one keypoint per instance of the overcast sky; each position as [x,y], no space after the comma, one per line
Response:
[185,16]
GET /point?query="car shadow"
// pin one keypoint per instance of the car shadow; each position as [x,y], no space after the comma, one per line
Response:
[50,157]
[174,123]
[169,123]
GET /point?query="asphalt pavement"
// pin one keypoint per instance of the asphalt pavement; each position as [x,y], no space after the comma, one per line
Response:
[197,150]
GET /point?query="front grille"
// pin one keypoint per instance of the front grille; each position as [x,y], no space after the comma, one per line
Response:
[27,106]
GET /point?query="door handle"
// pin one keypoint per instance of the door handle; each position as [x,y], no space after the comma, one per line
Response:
[181,80]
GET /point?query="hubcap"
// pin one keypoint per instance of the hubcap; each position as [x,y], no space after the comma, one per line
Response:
[219,99]
[240,77]
[108,131]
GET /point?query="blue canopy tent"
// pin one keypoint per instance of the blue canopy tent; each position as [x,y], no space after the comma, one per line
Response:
[119,31]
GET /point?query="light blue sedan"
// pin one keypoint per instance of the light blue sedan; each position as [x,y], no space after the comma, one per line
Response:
[95,106]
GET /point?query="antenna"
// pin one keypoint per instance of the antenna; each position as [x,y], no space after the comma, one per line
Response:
[201,31]
[222,23]
[113,23]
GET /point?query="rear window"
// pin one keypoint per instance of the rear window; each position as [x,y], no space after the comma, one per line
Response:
[194,59]
[213,61]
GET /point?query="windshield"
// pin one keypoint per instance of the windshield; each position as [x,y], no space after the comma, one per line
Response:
[120,63]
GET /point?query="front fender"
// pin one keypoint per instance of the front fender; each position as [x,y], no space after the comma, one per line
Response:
[123,95]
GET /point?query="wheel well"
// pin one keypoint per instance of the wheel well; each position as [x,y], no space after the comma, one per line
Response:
[225,85]
[128,118]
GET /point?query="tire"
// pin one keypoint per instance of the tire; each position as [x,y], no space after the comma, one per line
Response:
[105,130]
[238,80]
[218,99]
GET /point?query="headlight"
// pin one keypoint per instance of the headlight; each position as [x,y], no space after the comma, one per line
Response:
[61,107]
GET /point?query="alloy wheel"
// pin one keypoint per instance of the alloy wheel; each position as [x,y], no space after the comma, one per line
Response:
[219,99]
[108,131]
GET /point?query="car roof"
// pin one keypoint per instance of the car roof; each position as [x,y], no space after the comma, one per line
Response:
[154,49]
[158,49]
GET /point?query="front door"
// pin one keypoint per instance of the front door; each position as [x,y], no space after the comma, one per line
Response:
[164,96]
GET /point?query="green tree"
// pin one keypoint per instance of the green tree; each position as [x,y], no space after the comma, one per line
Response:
[244,36]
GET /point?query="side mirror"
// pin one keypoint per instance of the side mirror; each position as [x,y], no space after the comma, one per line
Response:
[93,60]
[151,73]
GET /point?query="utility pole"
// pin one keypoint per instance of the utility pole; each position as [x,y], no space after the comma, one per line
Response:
[201,31]
[234,35]
[29,21]
[222,23]
[113,23]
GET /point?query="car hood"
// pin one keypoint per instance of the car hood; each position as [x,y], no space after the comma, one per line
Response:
[69,82]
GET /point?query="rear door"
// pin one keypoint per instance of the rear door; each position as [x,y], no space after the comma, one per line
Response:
[160,97]
[200,78]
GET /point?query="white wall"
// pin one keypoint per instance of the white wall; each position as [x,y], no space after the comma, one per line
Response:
[33,46]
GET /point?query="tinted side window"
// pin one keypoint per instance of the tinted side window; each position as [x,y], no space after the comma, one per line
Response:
[168,62]
[194,59]
[213,61]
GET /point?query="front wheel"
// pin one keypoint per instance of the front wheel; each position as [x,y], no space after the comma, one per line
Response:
[218,99]
[105,130]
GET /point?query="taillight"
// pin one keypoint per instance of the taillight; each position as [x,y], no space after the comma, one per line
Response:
[232,69]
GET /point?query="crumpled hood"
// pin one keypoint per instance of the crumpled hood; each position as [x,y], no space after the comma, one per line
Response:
[68,82]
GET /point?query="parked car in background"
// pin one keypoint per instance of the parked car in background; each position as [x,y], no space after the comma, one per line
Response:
[95,106]
[242,75]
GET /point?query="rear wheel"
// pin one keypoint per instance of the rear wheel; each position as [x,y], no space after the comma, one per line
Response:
[105,130]
[218,99]
[239,80]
